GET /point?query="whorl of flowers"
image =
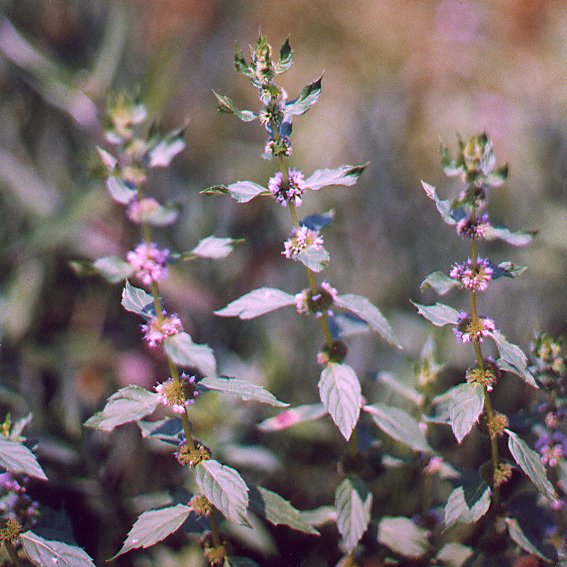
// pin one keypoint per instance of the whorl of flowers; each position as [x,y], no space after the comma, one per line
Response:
[476,278]
[299,240]
[473,229]
[155,332]
[287,191]
[307,302]
[473,331]
[149,262]
[177,394]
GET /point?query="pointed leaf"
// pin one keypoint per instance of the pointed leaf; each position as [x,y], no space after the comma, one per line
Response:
[290,417]
[393,384]
[306,99]
[519,537]
[184,352]
[444,207]
[400,425]
[346,175]
[465,406]
[113,268]
[438,314]
[530,462]
[137,301]
[403,536]
[226,105]
[257,303]
[514,356]
[119,190]
[42,552]
[153,526]
[340,393]
[225,489]
[368,312]
[214,247]
[318,222]
[519,238]
[17,458]
[314,258]
[128,404]
[344,325]
[160,215]
[241,191]
[108,160]
[454,554]
[277,510]
[235,561]
[286,58]
[241,388]
[507,269]
[469,508]
[172,144]
[353,502]
[439,282]
[168,430]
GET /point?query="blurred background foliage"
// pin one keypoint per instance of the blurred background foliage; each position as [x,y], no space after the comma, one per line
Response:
[399,77]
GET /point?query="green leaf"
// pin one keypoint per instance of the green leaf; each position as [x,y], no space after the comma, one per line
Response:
[306,99]
[119,190]
[128,404]
[444,207]
[509,270]
[17,458]
[316,259]
[172,144]
[530,462]
[465,406]
[113,268]
[214,247]
[519,238]
[439,282]
[393,384]
[368,312]
[226,105]
[320,516]
[241,388]
[241,191]
[42,552]
[497,177]
[256,303]
[353,502]
[168,430]
[438,314]
[519,537]
[400,425]
[340,393]
[346,175]
[153,526]
[290,417]
[515,358]
[225,489]
[402,536]
[184,352]
[137,301]
[454,554]
[277,510]
[235,561]
[469,507]
[286,58]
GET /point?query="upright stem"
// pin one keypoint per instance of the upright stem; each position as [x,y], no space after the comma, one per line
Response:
[13,553]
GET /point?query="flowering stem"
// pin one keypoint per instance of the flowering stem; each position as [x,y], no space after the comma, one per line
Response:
[215,534]
[13,553]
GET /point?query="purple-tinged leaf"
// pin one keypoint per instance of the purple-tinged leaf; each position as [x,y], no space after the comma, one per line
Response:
[520,538]
[467,508]
[454,554]
[226,105]
[341,395]
[16,458]
[257,303]
[530,462]
[346,175]
[318,222]
[185,353]
[465,406]
[402,536]
[153,526]
[108,160]
[361,307]
[241,388]
[293,416]
[162,215]
[394,385]
[113,268]
[286,58]
[42,552]
[518,238]
[171,145]
[512,358]
[241,191]
[353,502]
[119,190]
[308,96]
[438,314]
[444,207]
[214,248]
[507,269]
[137,301]
[314,258]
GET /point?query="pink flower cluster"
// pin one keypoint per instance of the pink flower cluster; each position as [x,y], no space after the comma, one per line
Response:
[177,395]
[291,191]
[467,228]
[299,240]
[474,278]
[307,302]
[155,332]
[149,262]
[469,331]
[140,211]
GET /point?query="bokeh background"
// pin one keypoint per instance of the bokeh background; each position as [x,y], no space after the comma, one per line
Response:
[399,78]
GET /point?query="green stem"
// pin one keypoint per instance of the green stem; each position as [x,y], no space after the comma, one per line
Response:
[215,532]
[13,553]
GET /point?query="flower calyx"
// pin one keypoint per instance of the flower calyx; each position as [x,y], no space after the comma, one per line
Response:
[190,456]
[316,303]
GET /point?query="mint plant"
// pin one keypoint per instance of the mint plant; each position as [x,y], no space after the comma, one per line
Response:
[215,486]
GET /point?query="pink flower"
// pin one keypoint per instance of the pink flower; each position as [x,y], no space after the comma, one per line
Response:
[177,394]
[307,302]
[469,331]
[291,191]
[156,332]
[301,239]
[473,230]
[141,211]
[477,278]
[149,262]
